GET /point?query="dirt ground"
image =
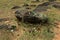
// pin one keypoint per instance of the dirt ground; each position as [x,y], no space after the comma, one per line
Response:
[57,32]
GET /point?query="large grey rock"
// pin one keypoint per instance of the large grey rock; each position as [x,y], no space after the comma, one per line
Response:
[32,17]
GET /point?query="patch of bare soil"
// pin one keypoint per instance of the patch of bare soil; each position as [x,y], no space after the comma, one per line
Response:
[11,35]
[57,32]
[17,34]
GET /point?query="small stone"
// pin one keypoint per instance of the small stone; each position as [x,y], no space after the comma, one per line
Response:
[12,30]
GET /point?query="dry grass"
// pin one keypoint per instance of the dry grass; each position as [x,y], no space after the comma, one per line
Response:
[23,29]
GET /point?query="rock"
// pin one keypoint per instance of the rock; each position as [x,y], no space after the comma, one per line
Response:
[12,30]
[19,14]
[3,26]
[15,7]
[33,18]
[7,27]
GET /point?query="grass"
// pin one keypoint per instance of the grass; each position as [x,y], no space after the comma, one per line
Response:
[35,34]
[43,33]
